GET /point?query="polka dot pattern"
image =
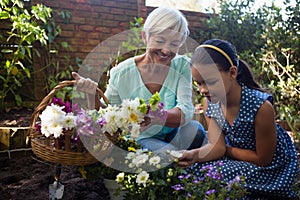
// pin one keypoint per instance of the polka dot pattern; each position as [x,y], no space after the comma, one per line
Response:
[275,179]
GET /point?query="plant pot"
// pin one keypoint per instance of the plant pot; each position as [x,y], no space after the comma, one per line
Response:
[112,186]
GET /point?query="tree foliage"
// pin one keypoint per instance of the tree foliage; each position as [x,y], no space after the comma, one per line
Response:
[268,39]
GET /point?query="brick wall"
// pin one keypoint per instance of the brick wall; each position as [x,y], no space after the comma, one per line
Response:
[92,22]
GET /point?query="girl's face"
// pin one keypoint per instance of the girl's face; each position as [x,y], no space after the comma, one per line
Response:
[163,47]
[212,83]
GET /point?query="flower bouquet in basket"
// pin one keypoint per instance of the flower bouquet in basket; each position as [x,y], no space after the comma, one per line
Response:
[53,130]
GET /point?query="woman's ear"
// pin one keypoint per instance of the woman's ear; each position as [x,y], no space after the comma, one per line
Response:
[233,72]
[144,37]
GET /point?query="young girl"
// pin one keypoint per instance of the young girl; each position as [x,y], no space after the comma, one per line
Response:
[242,130]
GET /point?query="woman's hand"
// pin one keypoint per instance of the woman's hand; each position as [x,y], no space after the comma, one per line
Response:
[187,158]
[85,85]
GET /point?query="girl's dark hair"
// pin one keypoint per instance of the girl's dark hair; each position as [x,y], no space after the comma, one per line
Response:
[223,54]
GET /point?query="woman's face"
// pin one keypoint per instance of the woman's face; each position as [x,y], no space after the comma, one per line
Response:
[163,47]
[212,83]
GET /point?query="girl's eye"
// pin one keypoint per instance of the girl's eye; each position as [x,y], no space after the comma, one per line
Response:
[174,44]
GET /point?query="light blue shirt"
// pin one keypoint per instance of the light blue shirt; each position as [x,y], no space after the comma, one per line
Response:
[125,82]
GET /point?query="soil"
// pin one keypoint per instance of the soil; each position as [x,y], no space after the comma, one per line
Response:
[24,176]
[29,178]
[16,117]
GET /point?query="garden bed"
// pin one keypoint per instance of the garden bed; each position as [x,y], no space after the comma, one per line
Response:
[27,177]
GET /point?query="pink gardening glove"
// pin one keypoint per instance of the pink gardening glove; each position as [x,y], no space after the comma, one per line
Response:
[85,85]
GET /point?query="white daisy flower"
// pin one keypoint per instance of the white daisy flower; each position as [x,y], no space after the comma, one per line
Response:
[130,156]
[155,160]
[142,178]
[135,131]
[120,177]
[176,154]
[140,159]
[56,129]
[69,121]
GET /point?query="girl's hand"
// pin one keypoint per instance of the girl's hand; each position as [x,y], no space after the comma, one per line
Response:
[187,159]
[85,85]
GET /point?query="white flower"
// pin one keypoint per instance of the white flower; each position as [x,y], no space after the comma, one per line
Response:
[155,160]
[45,131]
[69,121]
[52,120]
[130,155]
[140,159]
[120,177]
[131,165]
[142,178]
[129,109]
[56,129]
[110,118]
[176,154]
[135,131]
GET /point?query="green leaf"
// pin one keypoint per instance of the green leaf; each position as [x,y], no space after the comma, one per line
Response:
[4,15]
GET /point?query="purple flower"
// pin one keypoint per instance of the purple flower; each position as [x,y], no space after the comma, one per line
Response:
[181,177]
[101,122]
[209,192]
[67,108]
[178,187]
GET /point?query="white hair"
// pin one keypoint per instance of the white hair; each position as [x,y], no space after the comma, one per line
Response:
[163,18]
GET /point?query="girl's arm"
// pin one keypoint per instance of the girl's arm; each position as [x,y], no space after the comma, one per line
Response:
[214,149]
[265,131]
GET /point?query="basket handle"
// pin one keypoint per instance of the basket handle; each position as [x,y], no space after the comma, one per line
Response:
[47,99]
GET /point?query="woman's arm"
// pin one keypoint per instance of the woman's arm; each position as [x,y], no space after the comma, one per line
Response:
[265,131]
[183,112]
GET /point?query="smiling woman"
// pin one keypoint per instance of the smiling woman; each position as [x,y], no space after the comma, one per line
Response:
[160,69]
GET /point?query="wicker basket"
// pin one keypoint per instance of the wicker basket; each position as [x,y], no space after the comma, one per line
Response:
[48,148]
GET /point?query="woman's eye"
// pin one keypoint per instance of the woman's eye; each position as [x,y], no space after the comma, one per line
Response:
[159,41]
[174,44]
[211,82]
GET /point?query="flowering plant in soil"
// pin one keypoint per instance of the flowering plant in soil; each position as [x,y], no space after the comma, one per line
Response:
[209,186]
[175,183]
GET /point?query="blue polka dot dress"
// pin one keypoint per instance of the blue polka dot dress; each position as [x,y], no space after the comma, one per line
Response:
[277,178]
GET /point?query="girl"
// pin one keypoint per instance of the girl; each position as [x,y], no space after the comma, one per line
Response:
[242,131]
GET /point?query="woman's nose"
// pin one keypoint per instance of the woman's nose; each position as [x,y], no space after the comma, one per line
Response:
[165,50]
[203,89]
